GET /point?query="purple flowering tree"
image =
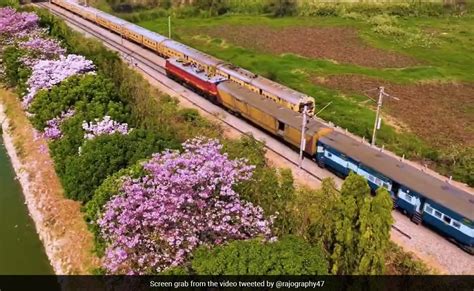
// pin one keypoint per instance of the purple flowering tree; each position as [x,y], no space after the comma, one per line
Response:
[47,73]
[53,126]
[16,24]
[105,126]
[186,200]
[40,48]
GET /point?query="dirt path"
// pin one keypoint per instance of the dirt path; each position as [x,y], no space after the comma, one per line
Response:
[340,44]
[58,221]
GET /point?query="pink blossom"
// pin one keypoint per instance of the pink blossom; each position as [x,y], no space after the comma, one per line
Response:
[105,126]
[13,23]
[186,200]
[47,73]
[53,130]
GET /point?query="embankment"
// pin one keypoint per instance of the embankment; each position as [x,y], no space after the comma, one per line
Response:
[58,221]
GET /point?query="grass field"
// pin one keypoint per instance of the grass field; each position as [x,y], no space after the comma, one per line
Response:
[354,48]
[426,62]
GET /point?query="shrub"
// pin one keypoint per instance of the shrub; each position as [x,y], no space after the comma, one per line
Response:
[281,8]
[16,72]
[389,30]
[382,19]
[288,256]
[353,16]
[108,189]
[93,95]
[104,156]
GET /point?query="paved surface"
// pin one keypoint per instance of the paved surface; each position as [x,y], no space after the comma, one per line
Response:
[426,244]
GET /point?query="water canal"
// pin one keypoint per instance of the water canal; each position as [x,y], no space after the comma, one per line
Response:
[21,251]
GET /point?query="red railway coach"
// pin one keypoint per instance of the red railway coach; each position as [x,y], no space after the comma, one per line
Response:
[195,77]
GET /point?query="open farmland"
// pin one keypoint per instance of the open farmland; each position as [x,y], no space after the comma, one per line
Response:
[427,62]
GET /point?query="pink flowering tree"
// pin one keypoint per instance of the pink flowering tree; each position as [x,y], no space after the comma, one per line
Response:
[53,127]
[47,73]
[40,48]
[186,200]
[104,126]
[15,24]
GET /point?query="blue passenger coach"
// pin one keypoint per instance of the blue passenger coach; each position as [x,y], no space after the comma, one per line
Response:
[423,197]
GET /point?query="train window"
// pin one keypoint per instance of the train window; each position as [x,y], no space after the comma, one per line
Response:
[437,213]
[329,155]
[428,209]
[447,219]
[456,224]
[281,125]
[409,197]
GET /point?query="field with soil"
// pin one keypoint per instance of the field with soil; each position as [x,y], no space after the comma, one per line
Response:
[428,64]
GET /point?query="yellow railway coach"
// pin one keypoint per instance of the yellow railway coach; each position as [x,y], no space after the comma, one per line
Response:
[270,116]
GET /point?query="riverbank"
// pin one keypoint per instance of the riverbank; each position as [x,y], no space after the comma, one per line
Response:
[58,221]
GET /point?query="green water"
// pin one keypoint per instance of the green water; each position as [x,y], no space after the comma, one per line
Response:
[21,251]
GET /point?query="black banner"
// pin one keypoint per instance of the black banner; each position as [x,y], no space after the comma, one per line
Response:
[92,283]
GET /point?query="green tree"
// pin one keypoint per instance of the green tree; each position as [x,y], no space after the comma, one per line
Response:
[375,224]
[105,155]
[357,234]
[312,208]
[270,188]
[288,256]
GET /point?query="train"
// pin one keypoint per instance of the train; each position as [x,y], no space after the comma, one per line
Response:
[426,199]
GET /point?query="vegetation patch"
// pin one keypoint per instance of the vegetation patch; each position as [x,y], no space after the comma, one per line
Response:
[444,111]
[340,44]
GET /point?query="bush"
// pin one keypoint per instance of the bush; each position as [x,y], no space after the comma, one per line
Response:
[353,16]
[92,95]
[320,9]
[281,8]
[105,155]
[11,3]
[108,189]
[459,163]
[15,72]
[288,256]
[382,19]
[389,30]
[402,263]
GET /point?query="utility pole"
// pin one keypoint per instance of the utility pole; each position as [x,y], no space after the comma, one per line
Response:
[378,118]
[169,26]
[377,115]
[303,131]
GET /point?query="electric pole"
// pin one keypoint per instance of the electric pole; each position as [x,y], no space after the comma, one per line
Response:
[169,26]
[303,131]
[378,118]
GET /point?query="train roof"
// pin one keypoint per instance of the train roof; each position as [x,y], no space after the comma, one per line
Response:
[145,32]
[88,8]
[193,53]
[193,70]
[111,18]
[285,115]
[442,192]
[237,72]
[280,91]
